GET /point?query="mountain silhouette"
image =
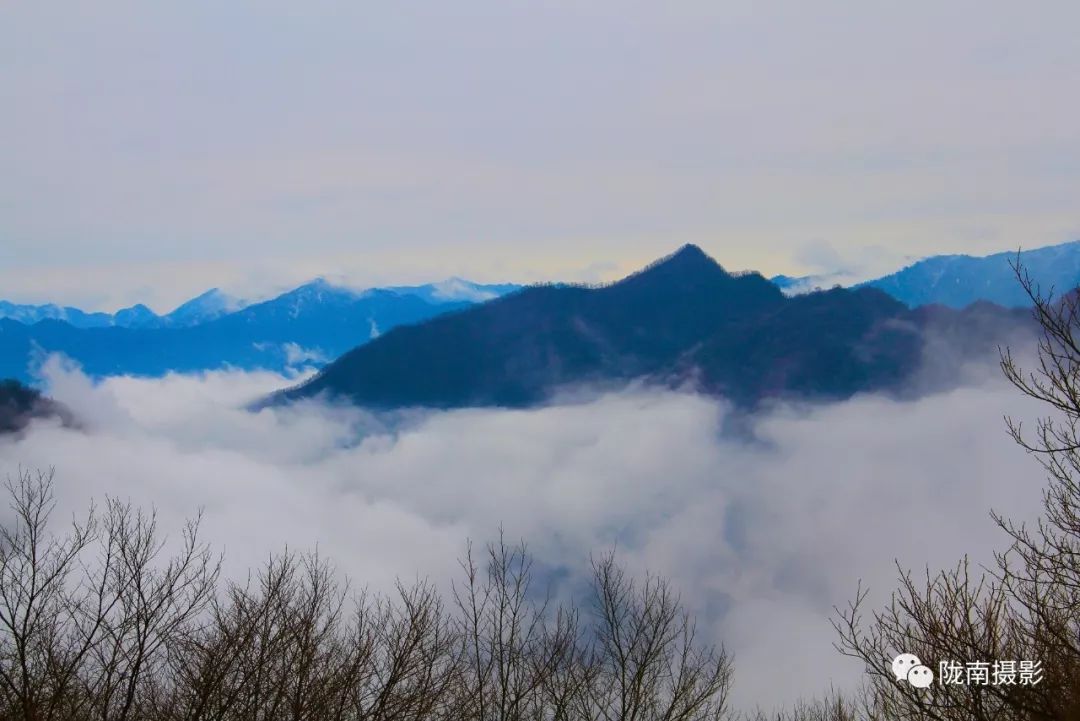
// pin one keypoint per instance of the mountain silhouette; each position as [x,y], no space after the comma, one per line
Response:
[316,324]
[957,281]
[311,324]
[681,320]
[19,405]
[215,303]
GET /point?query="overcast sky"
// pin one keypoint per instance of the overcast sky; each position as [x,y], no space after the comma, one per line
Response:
[151,150]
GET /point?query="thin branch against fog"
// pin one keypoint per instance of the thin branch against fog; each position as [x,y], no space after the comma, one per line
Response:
[1026,606]
[99,623]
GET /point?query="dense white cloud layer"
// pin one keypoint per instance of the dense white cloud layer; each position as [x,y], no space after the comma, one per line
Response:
[763,523]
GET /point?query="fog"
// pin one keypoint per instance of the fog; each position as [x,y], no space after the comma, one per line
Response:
[764,523]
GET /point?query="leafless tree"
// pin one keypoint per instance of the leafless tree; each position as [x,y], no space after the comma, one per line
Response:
[46,631]
[102,623]
[519,662]
[652,664]
[833,707]
[87,619]
[1027,606]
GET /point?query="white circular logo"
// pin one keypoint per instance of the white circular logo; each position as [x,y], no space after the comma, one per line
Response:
[920,677]
[904,663]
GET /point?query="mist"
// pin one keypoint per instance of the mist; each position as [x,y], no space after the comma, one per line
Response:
[763,529]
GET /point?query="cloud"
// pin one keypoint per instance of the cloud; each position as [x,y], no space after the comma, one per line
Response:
[458,289]
[296,355]
[764,530]
[829,266]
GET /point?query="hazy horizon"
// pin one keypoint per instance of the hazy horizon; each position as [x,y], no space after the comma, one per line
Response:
[154,151]
[252,292]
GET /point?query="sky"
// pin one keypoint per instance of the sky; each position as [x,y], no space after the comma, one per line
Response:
[153,150]
[762,534]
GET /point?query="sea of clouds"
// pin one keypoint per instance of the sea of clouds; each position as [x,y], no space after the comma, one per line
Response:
[764,523]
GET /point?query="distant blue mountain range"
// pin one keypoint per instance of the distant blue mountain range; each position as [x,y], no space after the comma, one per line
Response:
[214,304]
[319,321]
[957,281]
[208,306]
[309,325]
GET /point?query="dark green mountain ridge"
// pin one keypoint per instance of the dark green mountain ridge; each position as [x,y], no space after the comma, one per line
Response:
[682,320]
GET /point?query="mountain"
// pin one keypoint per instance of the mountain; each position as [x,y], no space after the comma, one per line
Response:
[19,405]
[33,313]
[214,304]
[682,320]
[787,282]
[207,306]
[203,308]
[956,281]
[456,289]
[137,316]
[959,280]
[309,325]
[793,285]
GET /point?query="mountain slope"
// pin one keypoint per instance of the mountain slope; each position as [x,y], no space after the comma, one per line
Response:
[456,289]
[207,306]
[20,405]
[956,281]
[30,314]
[214,304]
[682,319]
[959,280]
[512,350]
[313,323]
[203,308]
[307,324]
